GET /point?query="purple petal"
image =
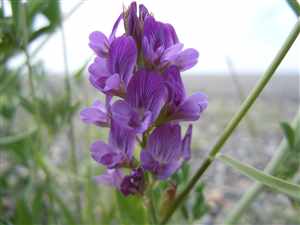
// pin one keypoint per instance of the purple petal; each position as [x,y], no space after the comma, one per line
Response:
[98,73]
[160,170]
[168,169]
[106,154]
[115,27]
[148,162]
[99,43]
[122,57]
[112,83]
[174,84]
[146,92]
[131,20]
[191,108]
[171,52]
[170,35]
[122,139]
[163,153]
[186,143]
[187,59]
[112,177]
[96,114]
[164,143]
[143,12]
[129,118]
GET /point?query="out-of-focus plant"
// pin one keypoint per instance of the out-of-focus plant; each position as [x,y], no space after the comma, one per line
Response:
[11,29]
[28,193]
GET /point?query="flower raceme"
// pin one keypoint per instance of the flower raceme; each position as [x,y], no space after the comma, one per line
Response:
[139,73]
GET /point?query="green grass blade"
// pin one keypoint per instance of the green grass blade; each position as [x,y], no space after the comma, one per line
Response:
[283,186]
[288,133]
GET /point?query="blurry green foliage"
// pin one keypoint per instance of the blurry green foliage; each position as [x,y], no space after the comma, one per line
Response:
[200,207]
[54,112]
[290,164]
[128,214]
[11,28]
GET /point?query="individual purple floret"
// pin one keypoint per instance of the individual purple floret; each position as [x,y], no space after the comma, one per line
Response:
[179,107]
[144,100]
[162,48]
[112,73]
[119,150]
[96,114]
[165,151]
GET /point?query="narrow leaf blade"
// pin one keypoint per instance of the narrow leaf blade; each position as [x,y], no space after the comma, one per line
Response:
[290,189]
[288,133]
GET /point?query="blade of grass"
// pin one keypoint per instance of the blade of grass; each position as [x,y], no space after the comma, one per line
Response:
[276,183]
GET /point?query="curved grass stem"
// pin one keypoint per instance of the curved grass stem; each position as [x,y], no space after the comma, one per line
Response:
[232,125]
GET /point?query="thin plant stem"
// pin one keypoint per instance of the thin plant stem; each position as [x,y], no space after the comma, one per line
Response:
[150,203]
[236,119]
[71,133]
[282,150]
[24,46]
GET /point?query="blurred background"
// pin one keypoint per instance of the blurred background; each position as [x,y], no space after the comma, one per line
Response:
[46,173]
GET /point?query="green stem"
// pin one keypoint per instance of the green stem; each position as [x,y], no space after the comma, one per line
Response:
[152,209]
[236,119]
[150,203]
[256,189]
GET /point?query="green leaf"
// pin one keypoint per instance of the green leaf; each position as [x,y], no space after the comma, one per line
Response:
[288,133]
[199,206]
[131,209]
[294,6]
[283,186]
[52,12]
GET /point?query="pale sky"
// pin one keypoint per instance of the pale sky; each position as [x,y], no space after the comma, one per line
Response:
[250,32]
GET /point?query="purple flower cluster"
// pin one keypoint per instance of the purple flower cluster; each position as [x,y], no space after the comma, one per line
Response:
[139,73]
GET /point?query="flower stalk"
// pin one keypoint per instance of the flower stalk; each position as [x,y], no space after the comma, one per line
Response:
[232,125]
